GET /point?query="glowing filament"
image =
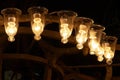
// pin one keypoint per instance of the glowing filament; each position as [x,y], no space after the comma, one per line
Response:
[81,36]
[65,32]
[100,51]
[11,28]
[37,28]
[93,44]
[109,54]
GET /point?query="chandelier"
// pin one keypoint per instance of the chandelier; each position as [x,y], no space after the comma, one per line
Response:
[85,31]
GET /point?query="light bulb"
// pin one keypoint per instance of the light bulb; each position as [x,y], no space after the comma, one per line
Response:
[109,44]
[64,41]
[37,15]
[11,31]
[66,19]
[100,51]
[11,21]
[65,32]
[81,38]
[93,44]
[37,28]
[100,58]
[82,26]
[95,33]
[79,46]
[109,54]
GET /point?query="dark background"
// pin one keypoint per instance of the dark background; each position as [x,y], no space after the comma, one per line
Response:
[104,12]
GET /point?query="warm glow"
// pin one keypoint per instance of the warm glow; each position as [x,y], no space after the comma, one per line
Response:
[92,34]
[100,51]
[11,19]
[81,36]
[37,16]
[109,48]
[37,28]
[93,44]
[66,19]
[109,54]
[11,30]
[37,20]
[100,58]
[65,32]
[79,46]
[86,33]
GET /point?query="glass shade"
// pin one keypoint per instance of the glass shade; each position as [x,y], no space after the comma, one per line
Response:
[37,20]
[95,34]
[82,25]
[66,24]
[11,19]
[100,50]
[109,45]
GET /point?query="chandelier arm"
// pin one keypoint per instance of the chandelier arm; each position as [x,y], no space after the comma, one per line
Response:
[58,51]
[52,61]
[52,56]
[23,56]
[78,76]
[30,46]
[51,19]
[88,66]
[59,69]
[108,72]
[48,72]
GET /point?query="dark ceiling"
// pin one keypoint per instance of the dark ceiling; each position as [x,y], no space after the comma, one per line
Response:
[104,12]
